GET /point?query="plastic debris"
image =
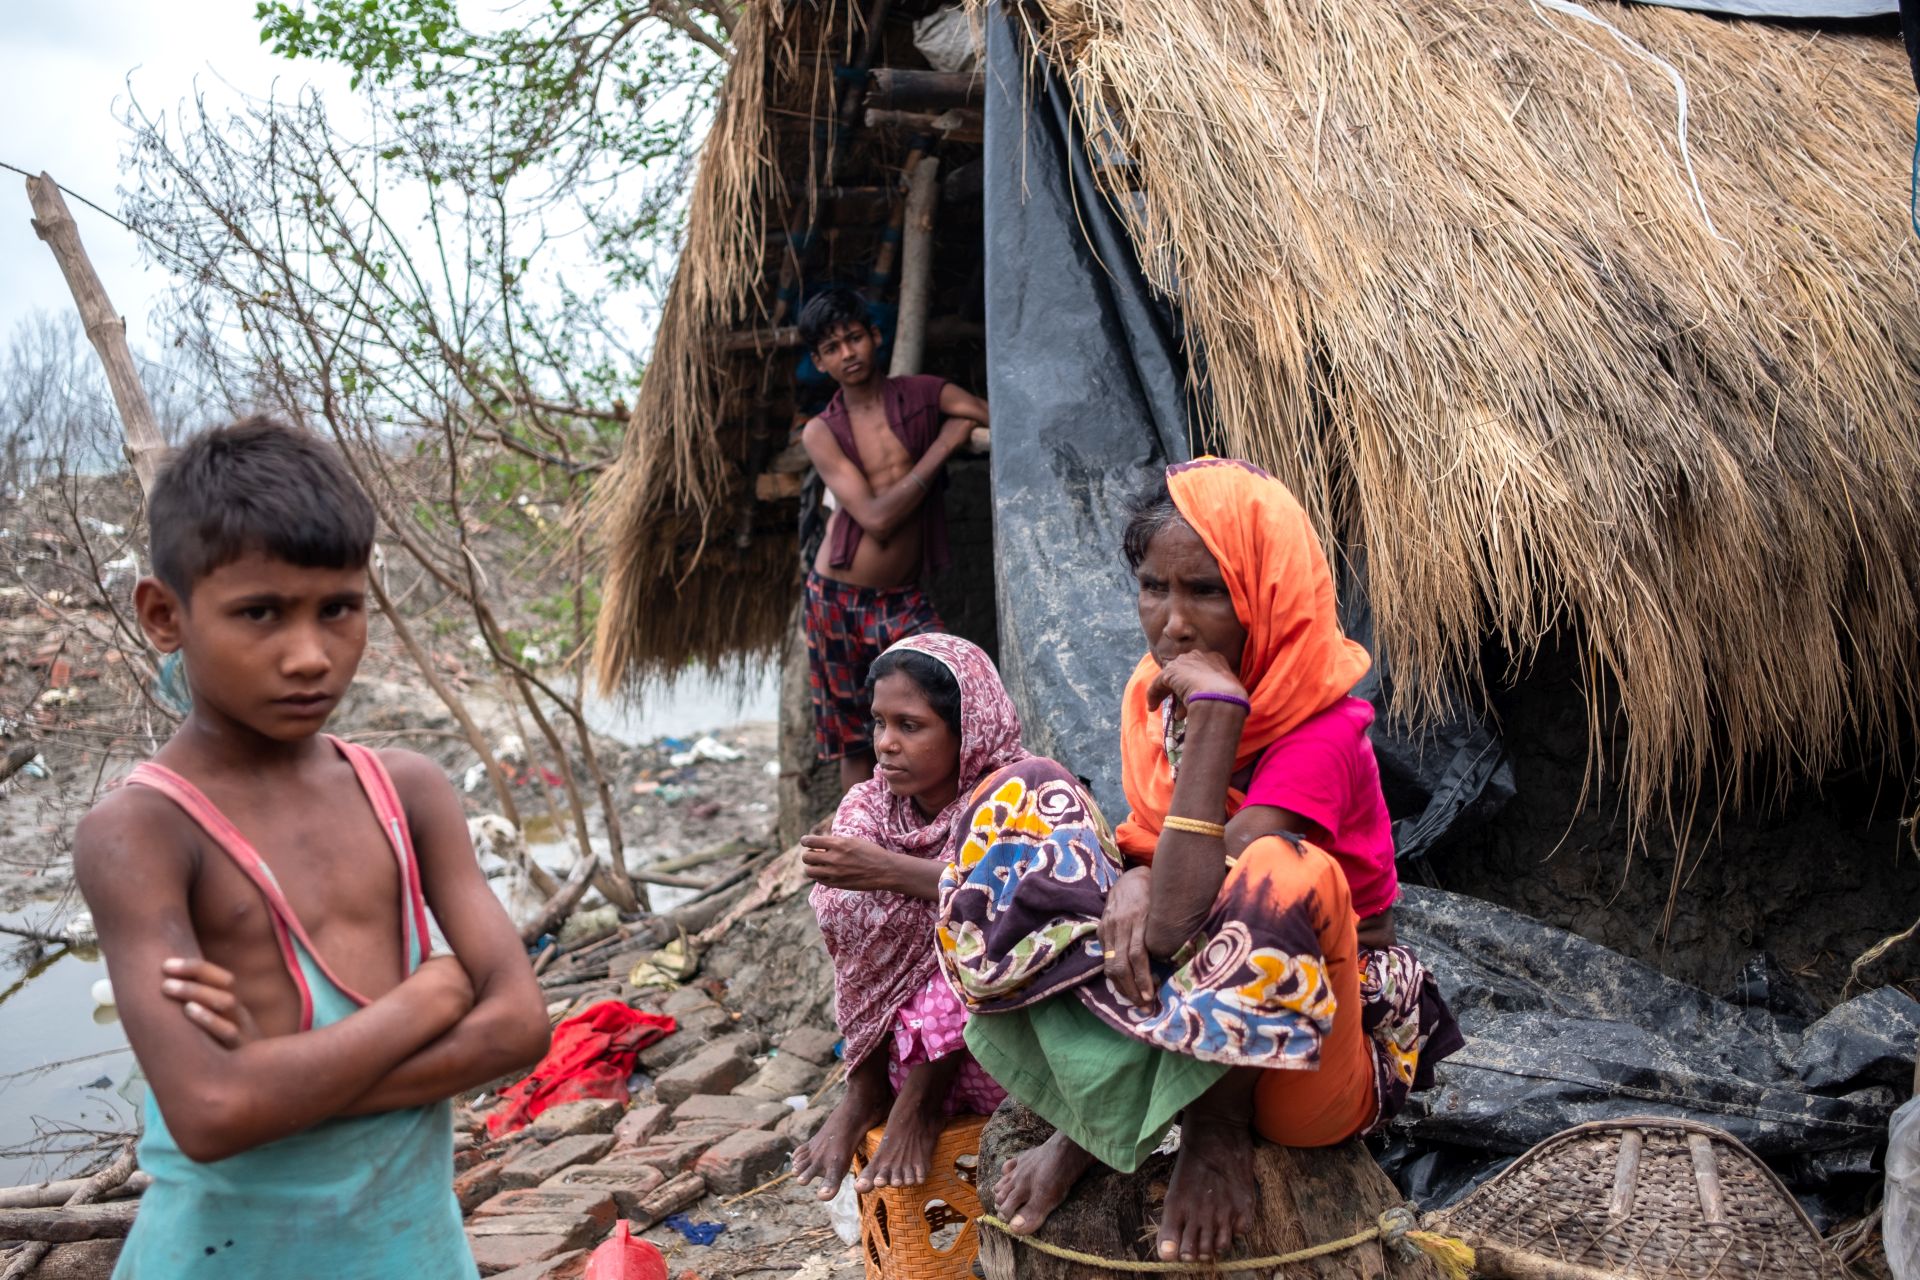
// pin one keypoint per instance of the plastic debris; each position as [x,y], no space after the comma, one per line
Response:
[583,926]
[621,1257]
[1901,1221]
[771,768]
[102,992]
[698,1232]
[170,684]
[670,966]
[475,775]
[707,748]
[79,929]
[843,1211]
[798,1101]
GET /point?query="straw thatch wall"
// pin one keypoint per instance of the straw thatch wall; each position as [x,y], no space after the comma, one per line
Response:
[1452,281]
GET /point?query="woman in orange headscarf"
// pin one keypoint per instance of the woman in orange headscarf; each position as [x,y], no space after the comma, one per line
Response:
[1218,974]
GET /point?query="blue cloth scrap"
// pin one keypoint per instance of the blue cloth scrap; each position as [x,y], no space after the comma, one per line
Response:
[695,1232]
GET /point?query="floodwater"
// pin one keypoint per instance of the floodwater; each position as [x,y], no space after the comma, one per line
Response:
[62,1070]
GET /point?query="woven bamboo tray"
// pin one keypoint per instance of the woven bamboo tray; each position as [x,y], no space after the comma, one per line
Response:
[1644,1197]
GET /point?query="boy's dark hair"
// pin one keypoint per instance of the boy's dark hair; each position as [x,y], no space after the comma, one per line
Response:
[828,311]
[257,485]
[935,682]
[1148,512]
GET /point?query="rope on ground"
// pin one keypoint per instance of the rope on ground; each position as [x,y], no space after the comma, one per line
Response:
[1397,1229]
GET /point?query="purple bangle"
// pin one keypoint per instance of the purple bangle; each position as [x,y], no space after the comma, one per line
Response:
[1241,703]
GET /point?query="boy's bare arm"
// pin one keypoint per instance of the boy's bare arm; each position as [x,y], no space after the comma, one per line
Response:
[133,856]
[958,402]
[880,514]
[506,1030]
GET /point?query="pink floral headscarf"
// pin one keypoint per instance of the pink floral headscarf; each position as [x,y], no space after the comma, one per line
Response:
[882,944]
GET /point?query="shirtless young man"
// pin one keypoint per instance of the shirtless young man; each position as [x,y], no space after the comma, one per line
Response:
[261,892]
[880,447]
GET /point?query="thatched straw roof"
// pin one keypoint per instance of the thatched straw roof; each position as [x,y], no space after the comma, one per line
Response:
[1453,282]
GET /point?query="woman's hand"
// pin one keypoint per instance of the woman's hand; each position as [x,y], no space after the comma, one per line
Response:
[845,862]
[205,994]
[1191,673]
[1123,938]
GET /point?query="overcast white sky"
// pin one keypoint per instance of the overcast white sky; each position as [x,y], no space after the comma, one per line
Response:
[65,66]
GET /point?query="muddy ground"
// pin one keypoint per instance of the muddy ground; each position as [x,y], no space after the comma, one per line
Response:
[1812,879]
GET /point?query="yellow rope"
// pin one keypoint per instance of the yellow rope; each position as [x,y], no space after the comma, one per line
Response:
[1396,1227]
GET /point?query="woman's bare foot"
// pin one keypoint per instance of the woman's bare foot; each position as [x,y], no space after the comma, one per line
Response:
[1033,1183]
[1210,1198]
[913,1126]
[827,1155]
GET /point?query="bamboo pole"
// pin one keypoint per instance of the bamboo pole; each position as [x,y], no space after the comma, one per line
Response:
[916,269]
[106,329]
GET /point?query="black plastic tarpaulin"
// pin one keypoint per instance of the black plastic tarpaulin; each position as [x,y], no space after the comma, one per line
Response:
[1086,378]
[1561,1031]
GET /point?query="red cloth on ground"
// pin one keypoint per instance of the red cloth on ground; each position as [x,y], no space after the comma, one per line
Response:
[592,1055]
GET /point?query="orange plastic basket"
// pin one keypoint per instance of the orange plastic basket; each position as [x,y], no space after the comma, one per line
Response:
[899,1225]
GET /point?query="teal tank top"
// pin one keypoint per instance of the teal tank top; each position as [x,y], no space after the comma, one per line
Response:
[360,1198]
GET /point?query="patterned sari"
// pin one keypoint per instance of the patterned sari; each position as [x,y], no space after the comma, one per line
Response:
[887,989]
[1273,979]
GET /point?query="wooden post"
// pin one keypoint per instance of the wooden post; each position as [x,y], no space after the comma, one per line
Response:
[916,269]
[1303,1198]
[105,328]
[901,89]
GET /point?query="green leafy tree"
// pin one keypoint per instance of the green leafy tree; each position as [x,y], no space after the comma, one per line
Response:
[603,98]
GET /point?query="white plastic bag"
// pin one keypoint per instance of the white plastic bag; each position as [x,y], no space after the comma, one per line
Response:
[843,1211]
[951,39]
[1901,1221]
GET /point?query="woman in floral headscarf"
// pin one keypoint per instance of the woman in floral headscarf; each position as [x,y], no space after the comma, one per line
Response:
[1218,974]
[942,722]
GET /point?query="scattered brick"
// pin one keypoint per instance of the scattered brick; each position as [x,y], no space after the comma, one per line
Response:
[494,1254]
[478,1184]
[569,1201]
[742,1162]
[783,1077]
[675,1150]
[726,1108]
[570,1119]
[685,1000]
[671,1197]
[715,1069]
[662,1054]
[640,1124]
[799,1126]
[541,1163]
[577,1229]
[811,1043]
[627,1181]
[570,1265]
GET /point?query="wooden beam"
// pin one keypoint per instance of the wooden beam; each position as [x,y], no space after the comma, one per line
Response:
[68,1222]
[783,337]
[106,329]
[962,124]
[778,486]
[902,89]
[916,270]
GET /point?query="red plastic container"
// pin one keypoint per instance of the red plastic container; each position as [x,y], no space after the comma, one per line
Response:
[621,1257]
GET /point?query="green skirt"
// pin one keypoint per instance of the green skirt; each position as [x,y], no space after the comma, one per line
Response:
[1112,1094]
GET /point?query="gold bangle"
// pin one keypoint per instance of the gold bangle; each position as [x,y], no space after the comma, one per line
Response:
[1194,826]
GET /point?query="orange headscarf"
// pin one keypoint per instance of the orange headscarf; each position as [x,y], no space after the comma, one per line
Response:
[1296,662]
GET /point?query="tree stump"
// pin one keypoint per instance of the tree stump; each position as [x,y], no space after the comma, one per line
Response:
[1303,1198]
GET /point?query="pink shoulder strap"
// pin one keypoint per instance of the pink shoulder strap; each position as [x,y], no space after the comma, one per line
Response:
[287,928]
[378,784]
